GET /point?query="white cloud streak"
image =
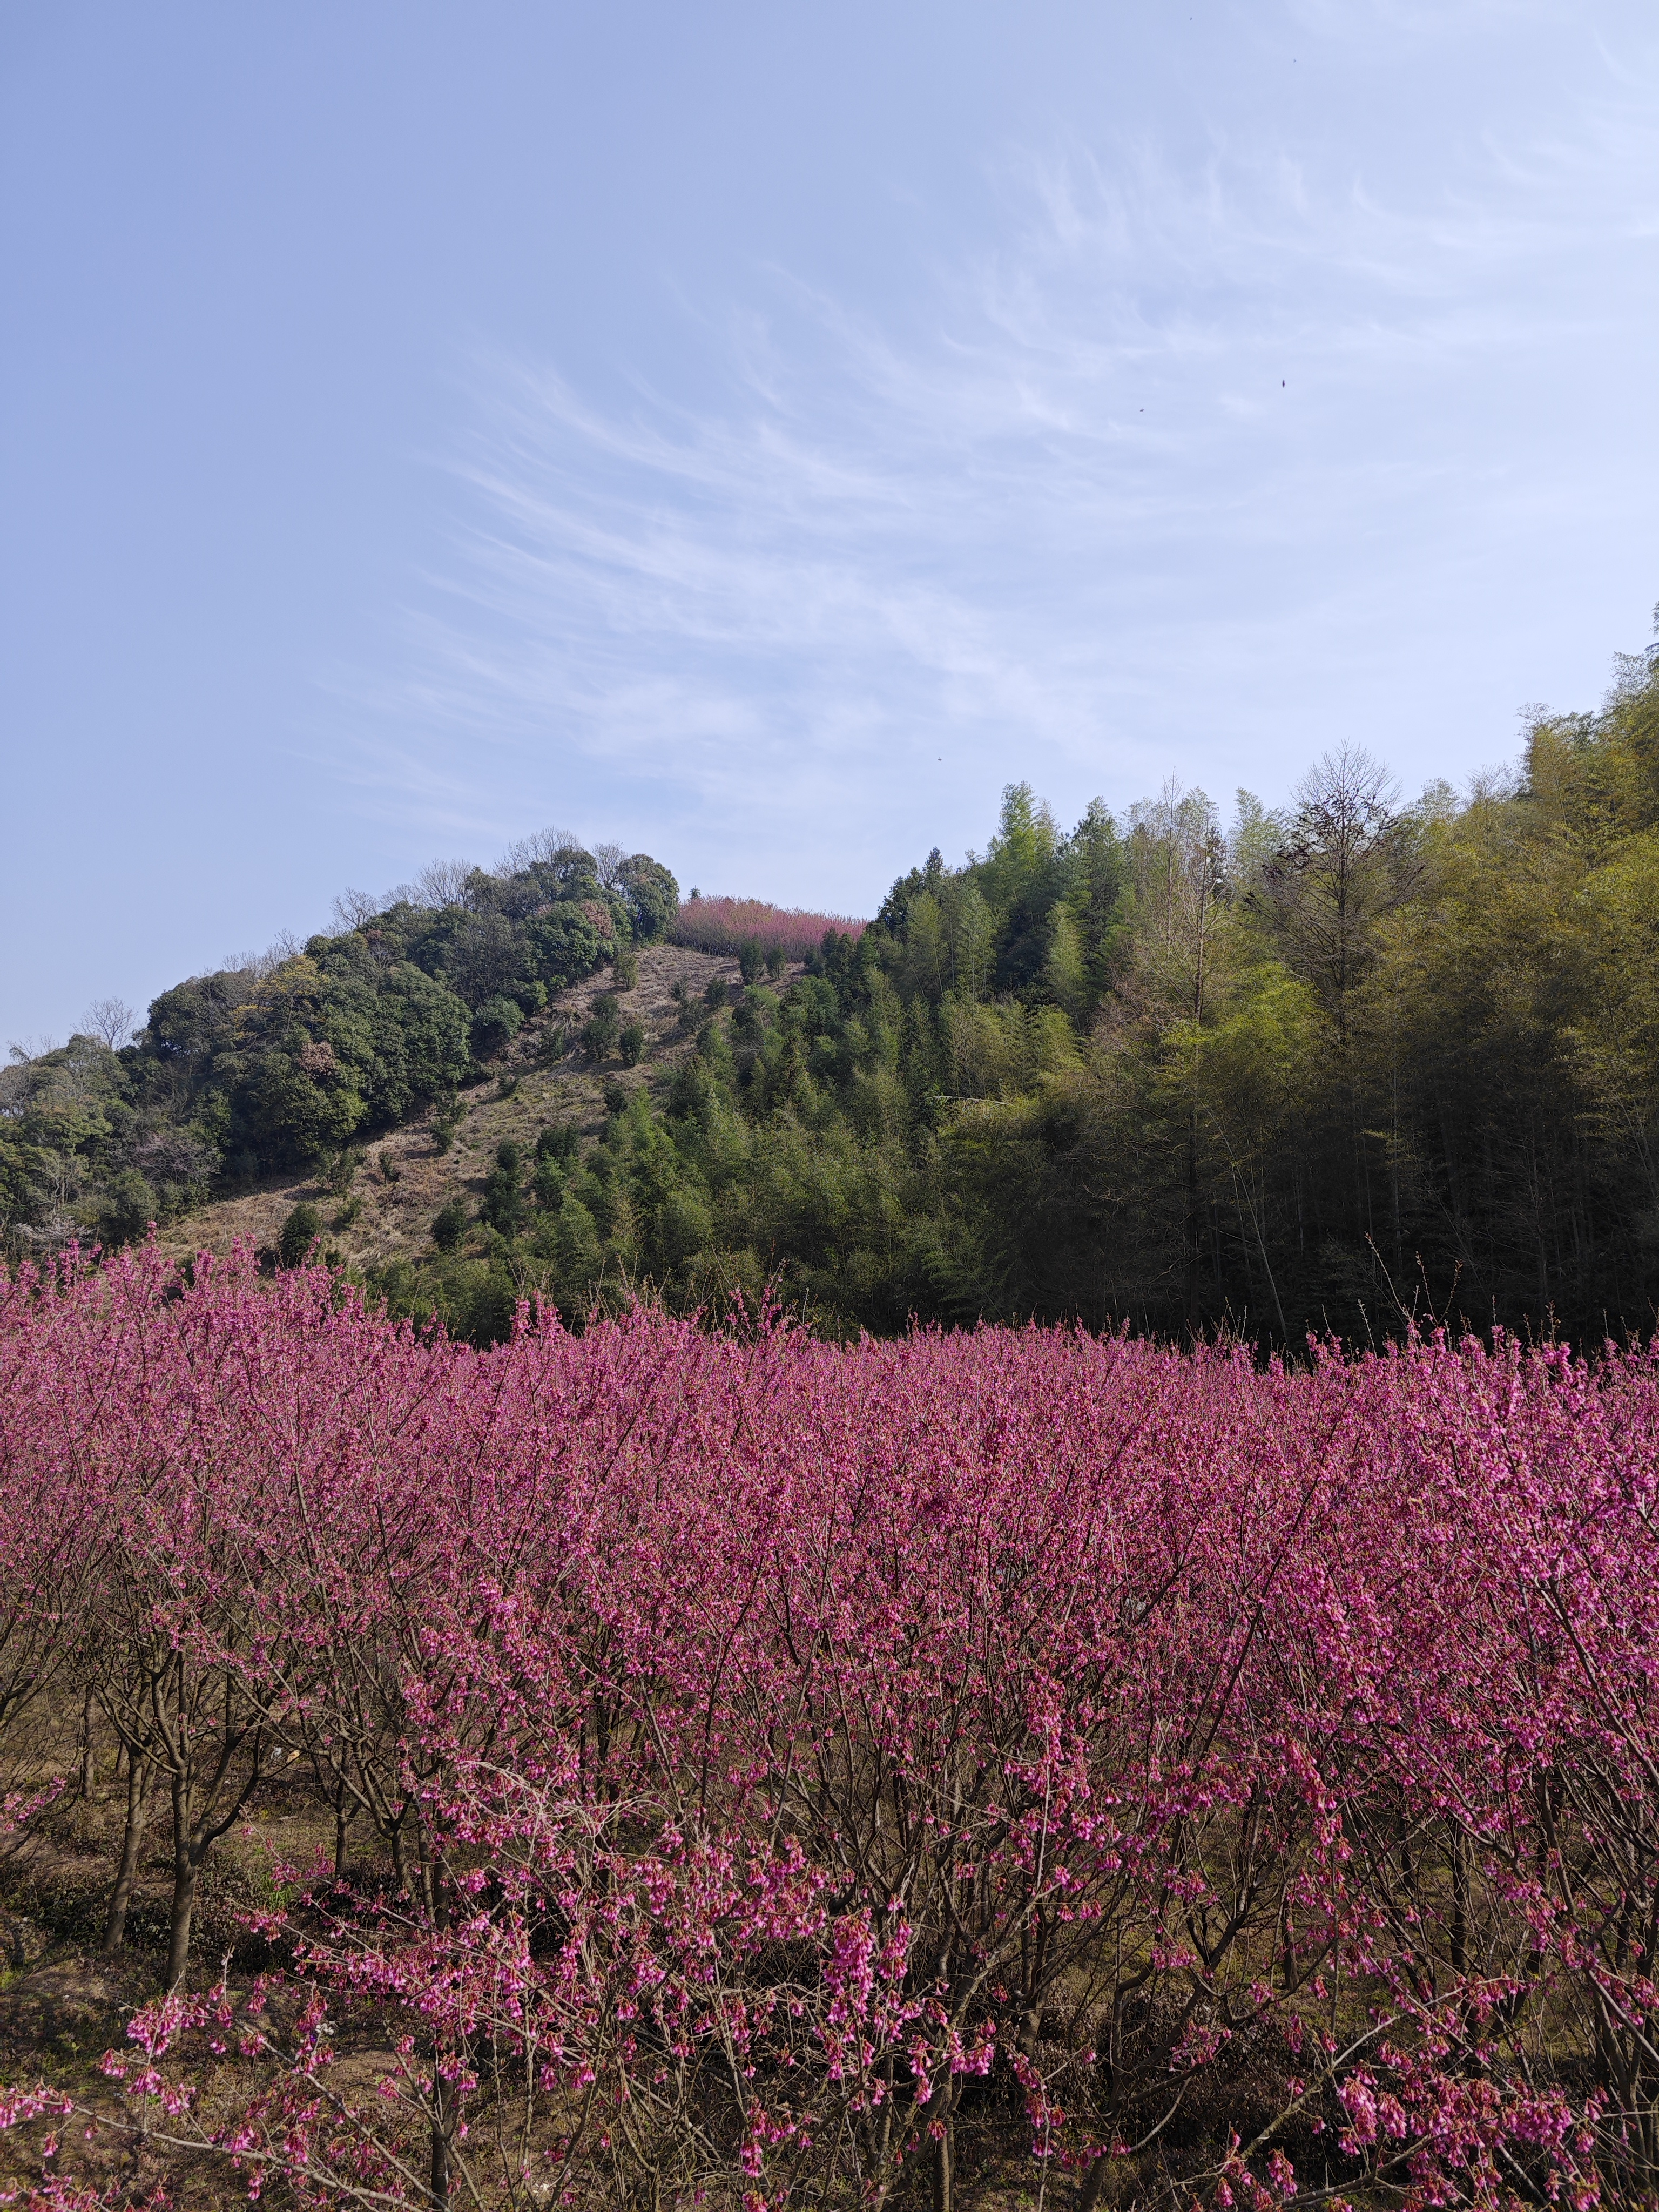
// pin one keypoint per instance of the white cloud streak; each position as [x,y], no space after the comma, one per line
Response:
[1192,461]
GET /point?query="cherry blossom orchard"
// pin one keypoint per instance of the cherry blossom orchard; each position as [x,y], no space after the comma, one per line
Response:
[748,1771]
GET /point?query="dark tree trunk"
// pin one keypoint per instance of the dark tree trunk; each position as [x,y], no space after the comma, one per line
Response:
[439,2138]
[132,1842]
[944,2169]
[186,1867]
[342,1822]
[86,1745]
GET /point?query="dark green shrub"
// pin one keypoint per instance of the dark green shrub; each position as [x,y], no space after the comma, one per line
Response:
[756,1010]
[751,961]
[503,1200]
[564,945]
[548,1183]
[691,1091]
[559,1141]
[129,1207]
[631,1043]
[494,1025]
[482,1305]
[297,1234]
[449,1224]
[716,995]
[599,1037]
[295,1112]
[625,971]
[339,1172]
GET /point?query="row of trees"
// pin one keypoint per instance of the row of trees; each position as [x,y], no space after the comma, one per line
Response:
[1321,1068]
[754,929]
[761,1773]
[273,1062]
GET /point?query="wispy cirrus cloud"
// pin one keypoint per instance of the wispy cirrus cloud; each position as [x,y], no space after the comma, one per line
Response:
[1192,459]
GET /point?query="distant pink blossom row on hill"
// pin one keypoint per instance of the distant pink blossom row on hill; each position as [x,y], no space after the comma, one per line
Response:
[722,925]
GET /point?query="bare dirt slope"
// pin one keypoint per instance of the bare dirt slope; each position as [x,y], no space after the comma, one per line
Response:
[404,1179]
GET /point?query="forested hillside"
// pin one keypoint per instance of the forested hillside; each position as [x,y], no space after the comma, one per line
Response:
[1319,1068]
[285,1060]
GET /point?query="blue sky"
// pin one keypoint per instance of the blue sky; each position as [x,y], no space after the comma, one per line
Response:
[754,432]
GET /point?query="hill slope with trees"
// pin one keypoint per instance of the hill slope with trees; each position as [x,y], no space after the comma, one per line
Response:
[1320,1069]
[279,1061]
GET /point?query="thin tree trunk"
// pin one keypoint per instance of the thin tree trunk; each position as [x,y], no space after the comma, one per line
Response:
[885,2129]
[186,1866]
[194,1831]
[439,2138]
[1093,2186]
[1460,1889]
[423,1849]
[85,1744]
[132,1841]
[944,2169]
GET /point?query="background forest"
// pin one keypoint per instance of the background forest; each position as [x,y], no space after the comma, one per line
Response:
[1318,1068]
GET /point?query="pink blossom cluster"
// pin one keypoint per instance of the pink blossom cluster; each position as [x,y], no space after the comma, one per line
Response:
[722,925]
[786,1760]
